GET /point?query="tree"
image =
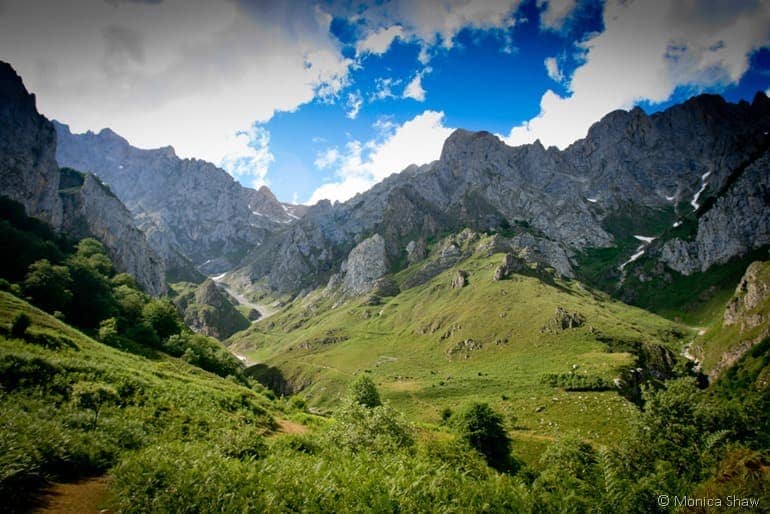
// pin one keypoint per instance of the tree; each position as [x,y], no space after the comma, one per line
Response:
[161,315]
[93,396]
[481,427]
[363,391]
[19,325]
[48,286]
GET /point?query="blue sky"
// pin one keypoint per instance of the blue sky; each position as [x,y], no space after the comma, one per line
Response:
[324,99]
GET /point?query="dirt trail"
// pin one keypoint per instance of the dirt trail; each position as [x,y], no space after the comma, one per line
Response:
[86,496]
[290,427]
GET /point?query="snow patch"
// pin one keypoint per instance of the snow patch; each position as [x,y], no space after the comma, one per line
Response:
[677,224]
[219,277]
[671,198]
[120,166]
[287,211]
[704,184]
[639,253]
[644,239]
[592,200]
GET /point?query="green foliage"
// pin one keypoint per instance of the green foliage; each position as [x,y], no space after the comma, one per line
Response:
[363,391]
[377,429]
[48,286]
[482,428]
[575,382]
[19,325]
[93,396]
[161,315]
[204,352]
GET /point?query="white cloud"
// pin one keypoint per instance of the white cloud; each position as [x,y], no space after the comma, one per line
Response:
[430,22]
[383,88]
[414,89]
[361,165]
[355,101]
[190,73]
[247,156]
[378,41]
[646,51]
[556,13]
[552,67]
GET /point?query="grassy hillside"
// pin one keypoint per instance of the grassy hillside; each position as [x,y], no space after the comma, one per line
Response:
[71,406]
[433,348]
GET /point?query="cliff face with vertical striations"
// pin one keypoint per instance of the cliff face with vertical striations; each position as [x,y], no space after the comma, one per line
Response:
[28,170]
[76,204]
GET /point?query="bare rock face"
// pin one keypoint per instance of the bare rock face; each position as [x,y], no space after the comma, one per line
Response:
[460,279]
[365,264]
[190,209]
[563,320]
[28,170]
[509,265]
[90,209]
[737,223]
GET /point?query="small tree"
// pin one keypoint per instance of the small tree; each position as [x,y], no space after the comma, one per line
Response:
[363,391]
[481,427]
[161,315]
[19,325]
[93,396]
[48,286]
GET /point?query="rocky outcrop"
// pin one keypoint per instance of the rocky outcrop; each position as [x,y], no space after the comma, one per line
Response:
[365,264]
[460,279]
[737,223]
[384,287]
[747,314]
[28,170]
[190,209]
[209,311]
[563,320]
[91,210]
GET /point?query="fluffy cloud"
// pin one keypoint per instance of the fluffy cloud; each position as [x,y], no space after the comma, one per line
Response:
[414,89]
[429,22]
[361,165]
[247,156]
[195,74]
[552,68]
[646,51]
[555,13]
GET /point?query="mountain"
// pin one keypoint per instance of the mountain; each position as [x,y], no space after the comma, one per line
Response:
[633,175]
[76,204]
[28,170]
[194,214]
[209,310]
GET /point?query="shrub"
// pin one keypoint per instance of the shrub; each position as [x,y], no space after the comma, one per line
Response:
[363,391]
[19,325]
[48,286]
[481,427]
[93,396]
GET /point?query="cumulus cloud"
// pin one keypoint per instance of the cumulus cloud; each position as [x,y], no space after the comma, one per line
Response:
[383,88]
[414,89]
[378,41]
[195,74]
[646,51]
[552,68]
[430,22]
[358,166]
[247,156]
[555,13]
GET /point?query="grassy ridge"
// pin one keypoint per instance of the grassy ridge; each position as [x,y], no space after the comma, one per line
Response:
[414,347]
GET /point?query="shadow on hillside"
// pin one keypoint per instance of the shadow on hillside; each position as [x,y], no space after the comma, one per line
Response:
[270,377]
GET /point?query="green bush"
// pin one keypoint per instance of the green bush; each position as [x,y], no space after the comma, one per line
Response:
[363,391]
[482,428]
[19,325]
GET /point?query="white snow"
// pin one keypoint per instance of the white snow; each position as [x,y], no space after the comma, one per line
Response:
[671,198]
[219,277]
[639,253]
[677,224]
[592,200]
[257,213]
[645,239]
[287,211]
[120,166]
[704,184]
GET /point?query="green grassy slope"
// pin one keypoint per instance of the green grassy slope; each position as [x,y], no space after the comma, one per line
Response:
[405,344]
[48,430]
